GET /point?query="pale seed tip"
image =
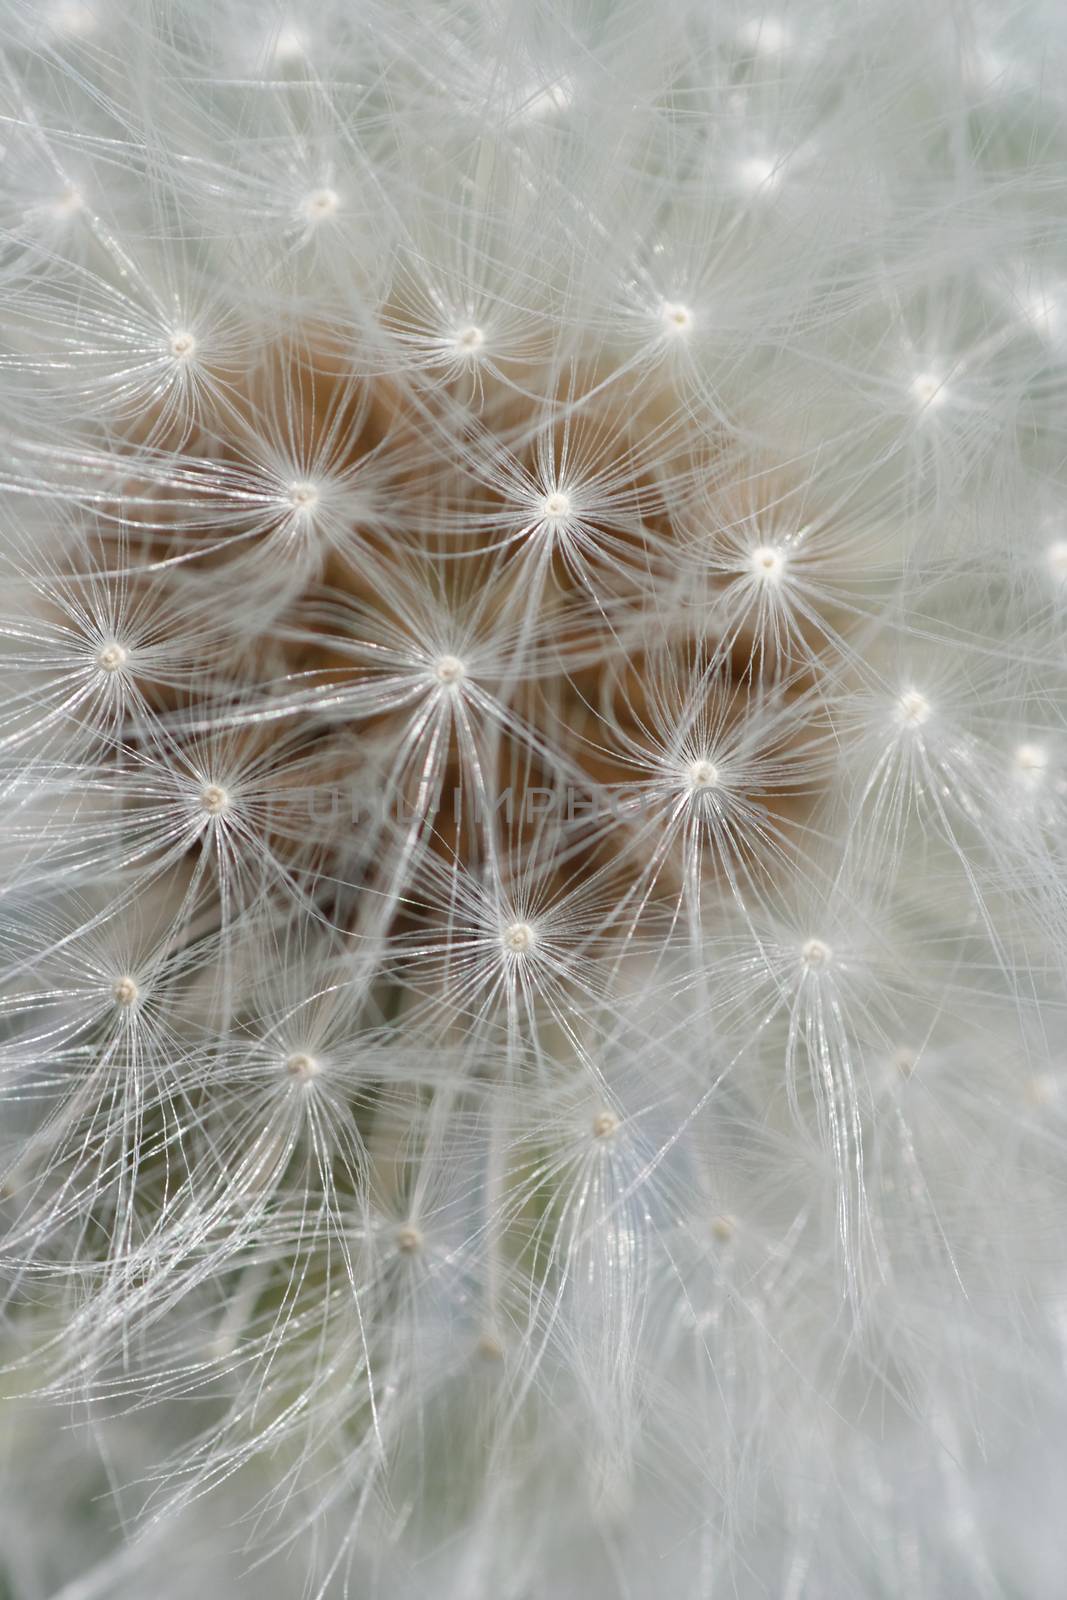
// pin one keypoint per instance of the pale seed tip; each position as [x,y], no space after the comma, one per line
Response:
[519,938]
[677,319]
[556,505]
[302,1066]
[214,799]
[112,656]
[289,44]
[768,562]
[449,669]
[321,203]
[816,953]
[929,390]
[764,36]
[756,173]
[1031,759]
[703,775]
[913,708]
[303,496]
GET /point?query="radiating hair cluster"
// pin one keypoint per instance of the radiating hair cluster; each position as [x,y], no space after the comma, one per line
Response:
[533,907]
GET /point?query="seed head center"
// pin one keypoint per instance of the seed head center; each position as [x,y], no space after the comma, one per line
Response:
[112,656]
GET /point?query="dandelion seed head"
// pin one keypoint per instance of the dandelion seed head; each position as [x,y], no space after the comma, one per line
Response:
[695,375]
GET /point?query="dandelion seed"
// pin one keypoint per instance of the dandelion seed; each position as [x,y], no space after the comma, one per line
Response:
[604,1124]
[408,1240]
[182,346]
[723,1228]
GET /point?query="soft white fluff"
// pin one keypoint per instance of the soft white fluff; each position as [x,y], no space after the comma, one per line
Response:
[533,908]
